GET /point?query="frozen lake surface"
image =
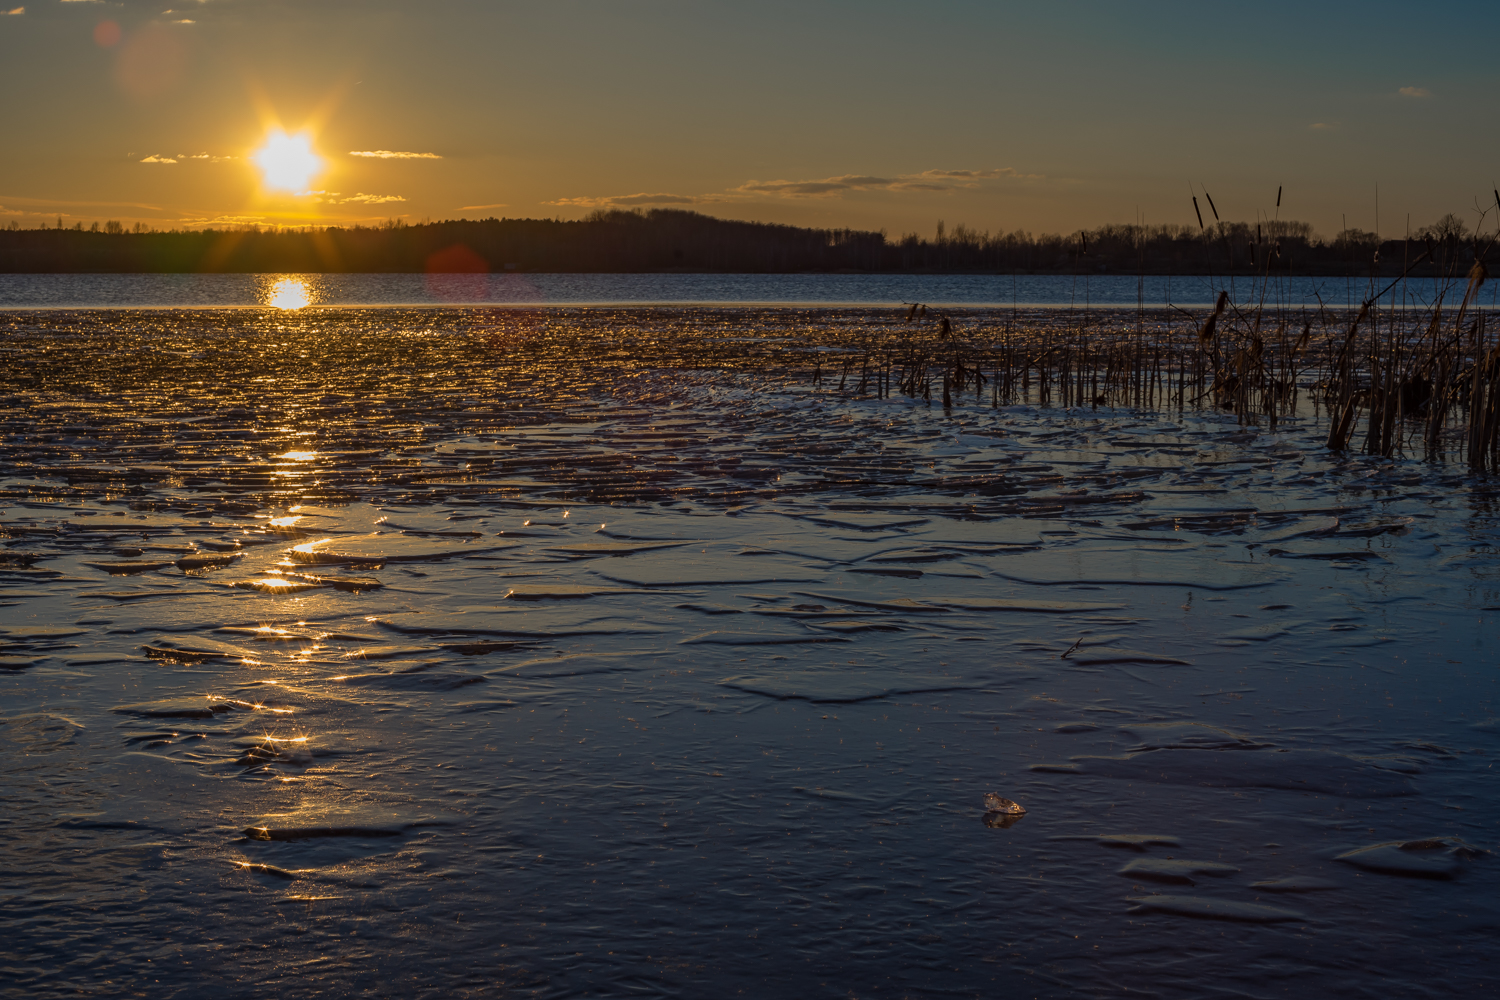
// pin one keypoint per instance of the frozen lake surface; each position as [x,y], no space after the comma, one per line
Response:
[341,658]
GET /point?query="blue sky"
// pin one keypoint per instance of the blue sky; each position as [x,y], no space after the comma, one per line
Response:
[868,115]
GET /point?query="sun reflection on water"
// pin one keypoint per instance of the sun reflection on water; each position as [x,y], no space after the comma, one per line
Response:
[289,293]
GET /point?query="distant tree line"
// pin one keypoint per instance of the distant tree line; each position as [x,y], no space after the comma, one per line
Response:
[664,240]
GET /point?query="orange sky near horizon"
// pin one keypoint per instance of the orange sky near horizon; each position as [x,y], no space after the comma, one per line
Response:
[866,115]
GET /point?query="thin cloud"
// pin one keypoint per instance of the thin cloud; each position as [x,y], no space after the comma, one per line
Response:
[15,12]
[927,180]
[633,200]
[936,181]
[224,220]
[153,158]
[1415,92]
[1323,126]
[480,208]
[338,198]
[386,154]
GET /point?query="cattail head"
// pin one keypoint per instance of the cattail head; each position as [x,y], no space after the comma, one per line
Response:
[1211,325]
[1477,275]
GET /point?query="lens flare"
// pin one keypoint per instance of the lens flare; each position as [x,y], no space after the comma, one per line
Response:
[287,162]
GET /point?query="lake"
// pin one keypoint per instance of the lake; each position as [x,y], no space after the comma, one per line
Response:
[34,291]
[379,651]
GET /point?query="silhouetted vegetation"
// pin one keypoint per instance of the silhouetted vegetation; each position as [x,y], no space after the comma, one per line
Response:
[674,240]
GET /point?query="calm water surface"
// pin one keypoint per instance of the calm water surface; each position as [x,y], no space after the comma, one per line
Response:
[34,291]
[350,661]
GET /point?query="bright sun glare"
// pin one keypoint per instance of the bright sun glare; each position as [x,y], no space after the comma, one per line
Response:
[287,162]
[288,293]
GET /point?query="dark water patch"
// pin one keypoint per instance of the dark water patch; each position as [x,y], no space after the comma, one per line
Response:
[527,624]
[846,685]
[1159,573]
[612,548]
[1296,883]
[710,609]
[263,869]
[202,563]
[124,596]
[703,571]
[1203,908]
[1174,871]
[191,649]
[1263,633]
[1322,772]
[1033,606]
[581,664]
[892,604]
[1433,858]
[178,708]
[309,824]
[1102,655]
[846,626]
[485,648]
[126,568]
[721,637]
[565,591]
[412,676]
[1188,736]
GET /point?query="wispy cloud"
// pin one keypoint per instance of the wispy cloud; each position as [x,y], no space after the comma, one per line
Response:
[14,11]
[153,158]
[635,200]
[927,180]
[338,198]
[386,154]
[225,220]
[477,208]
[1415,92]
[209,158]
[934,181]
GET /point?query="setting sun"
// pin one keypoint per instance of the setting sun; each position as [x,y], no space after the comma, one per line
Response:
[287,162]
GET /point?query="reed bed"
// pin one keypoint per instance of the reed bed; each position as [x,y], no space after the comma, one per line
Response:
[1392,376]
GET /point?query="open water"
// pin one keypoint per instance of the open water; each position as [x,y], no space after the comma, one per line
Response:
[38,291]
[344,659]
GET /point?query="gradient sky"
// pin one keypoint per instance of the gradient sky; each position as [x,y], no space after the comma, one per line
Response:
[872,115]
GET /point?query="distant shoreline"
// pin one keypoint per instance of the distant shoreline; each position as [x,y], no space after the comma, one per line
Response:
[678,242]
